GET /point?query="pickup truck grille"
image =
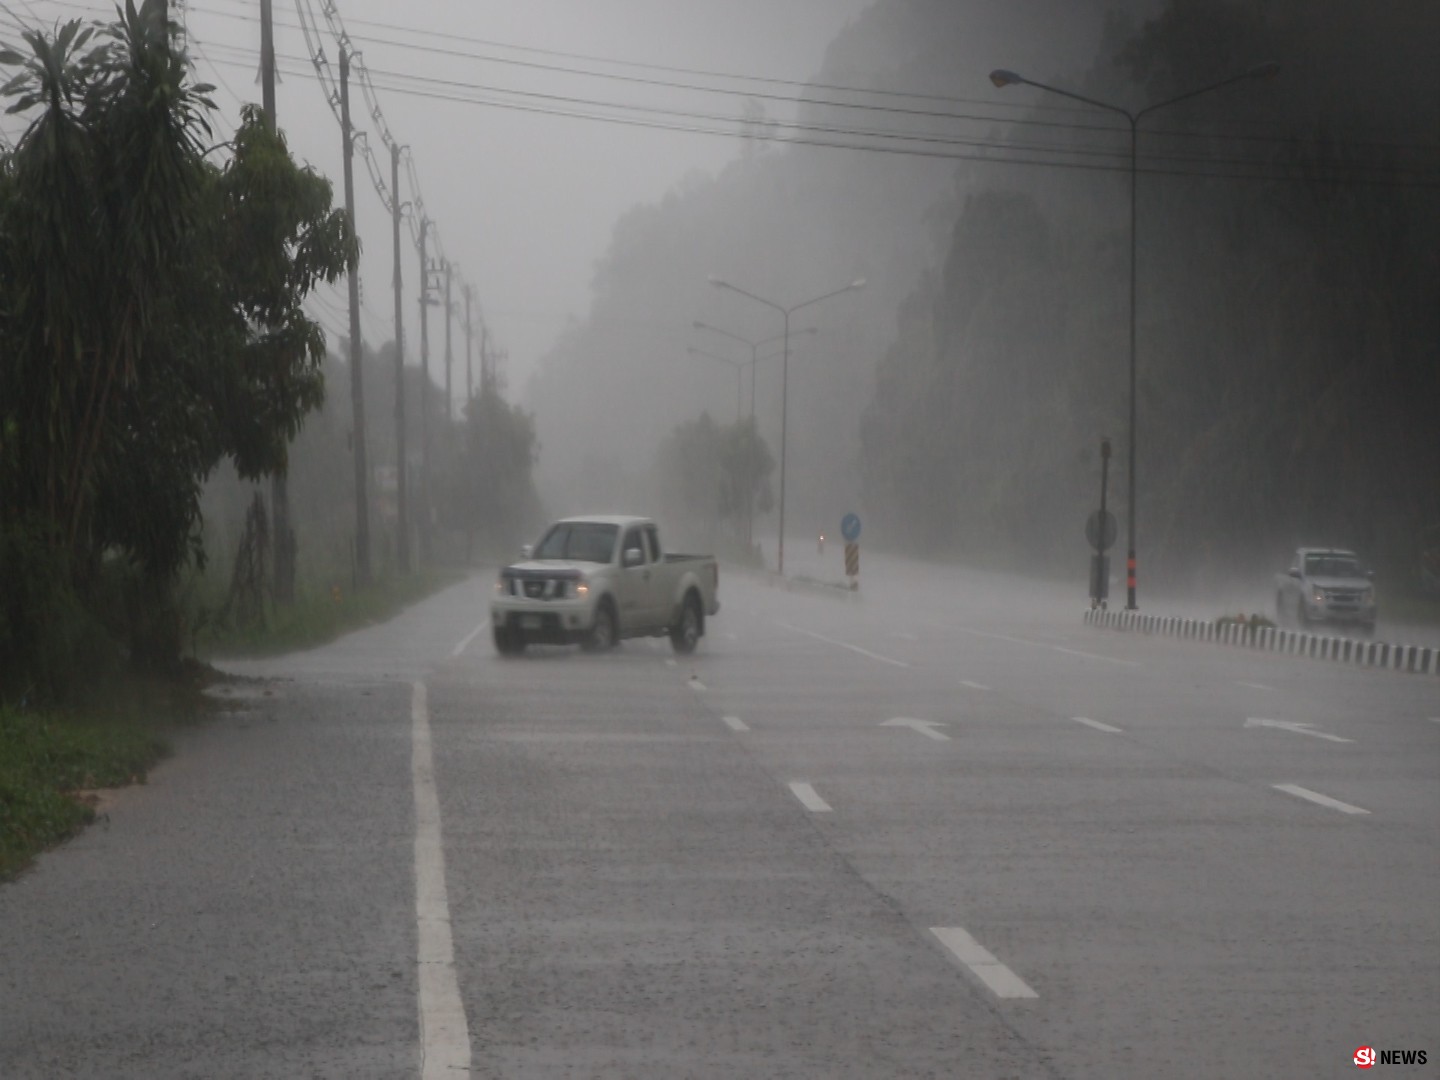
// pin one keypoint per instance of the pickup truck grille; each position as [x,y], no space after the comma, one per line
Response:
[1345,596]
[539,587]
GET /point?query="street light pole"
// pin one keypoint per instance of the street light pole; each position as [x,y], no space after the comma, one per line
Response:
[858,283]
[754,347]
[1002,78]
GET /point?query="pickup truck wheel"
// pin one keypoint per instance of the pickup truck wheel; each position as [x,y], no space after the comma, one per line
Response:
[685,636]
[602,635]
[508,642]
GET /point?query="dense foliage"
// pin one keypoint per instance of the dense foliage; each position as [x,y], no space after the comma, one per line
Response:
[150,325]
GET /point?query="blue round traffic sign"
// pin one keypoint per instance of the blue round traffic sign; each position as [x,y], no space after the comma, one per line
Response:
[850,528]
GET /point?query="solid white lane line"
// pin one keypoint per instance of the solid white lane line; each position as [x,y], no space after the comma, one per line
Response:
[444,1033]
[1098,726]
[999,978]
[1316,797]
[844,645]
[902,635]
[808,798]
[973,685]
[734,723]
[465,641]
[1254,685]
[1435,719]
[1043,645]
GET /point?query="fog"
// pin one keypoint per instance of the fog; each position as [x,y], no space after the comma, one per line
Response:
[1286,242]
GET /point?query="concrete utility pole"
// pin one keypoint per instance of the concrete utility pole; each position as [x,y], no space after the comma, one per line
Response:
[357,389]
[449,355]
[424,393]
[402,526]
[469,366]
[280,528]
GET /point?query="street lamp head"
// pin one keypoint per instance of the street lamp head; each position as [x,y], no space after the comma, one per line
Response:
[1268,70]
[1002,78]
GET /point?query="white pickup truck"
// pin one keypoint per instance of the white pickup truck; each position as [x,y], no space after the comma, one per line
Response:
[596,580]
[1325,585]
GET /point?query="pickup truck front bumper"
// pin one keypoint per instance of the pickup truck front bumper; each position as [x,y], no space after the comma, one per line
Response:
[543,622]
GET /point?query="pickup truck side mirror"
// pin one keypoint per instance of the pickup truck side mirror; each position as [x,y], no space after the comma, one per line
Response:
[632,557]
[526,550]
[1294,573]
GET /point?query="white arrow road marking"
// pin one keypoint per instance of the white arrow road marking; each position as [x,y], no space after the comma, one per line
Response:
[444,1033]
[999,978]
[1316,797]
[1098,726]
[734,723]
[925,727]
[465,641]
[844,645]
[973,685]
[1292,725]
[808,797]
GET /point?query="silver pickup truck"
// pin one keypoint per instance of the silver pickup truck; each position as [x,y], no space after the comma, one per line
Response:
[596,580]
[1325,585]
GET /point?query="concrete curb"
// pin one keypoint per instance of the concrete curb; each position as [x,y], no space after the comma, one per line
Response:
[1416,659]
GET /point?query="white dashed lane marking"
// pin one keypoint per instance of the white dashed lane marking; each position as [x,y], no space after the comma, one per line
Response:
[734,723]
[924,727]
[1043,645]
[696,685]
[1294,726]
[808,797]
[1097,725]
[1000,979]
[465,641]
[1254,685]
[844,645]
[1316,797]
[973,685]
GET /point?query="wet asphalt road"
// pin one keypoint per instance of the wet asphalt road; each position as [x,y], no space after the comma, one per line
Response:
[939,829]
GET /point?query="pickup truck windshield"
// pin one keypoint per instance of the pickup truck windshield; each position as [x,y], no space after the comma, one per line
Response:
[1331,566]
[583,541]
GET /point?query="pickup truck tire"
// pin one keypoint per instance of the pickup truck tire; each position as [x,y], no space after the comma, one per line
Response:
[685,634]
[602,635]
[508,642]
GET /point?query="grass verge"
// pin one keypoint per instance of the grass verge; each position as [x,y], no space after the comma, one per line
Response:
[320,616]
[50,760]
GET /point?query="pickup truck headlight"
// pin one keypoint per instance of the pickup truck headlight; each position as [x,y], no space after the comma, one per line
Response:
[501,585]
[1319,596]
[582,590]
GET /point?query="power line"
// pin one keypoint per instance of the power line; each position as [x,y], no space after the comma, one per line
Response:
[790,98]
[563,106]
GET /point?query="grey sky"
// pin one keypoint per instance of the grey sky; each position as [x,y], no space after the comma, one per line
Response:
[524,202]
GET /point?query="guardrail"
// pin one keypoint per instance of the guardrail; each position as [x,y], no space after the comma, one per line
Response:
[1418,659]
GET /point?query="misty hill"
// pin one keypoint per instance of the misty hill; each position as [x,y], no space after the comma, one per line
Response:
[1286,316]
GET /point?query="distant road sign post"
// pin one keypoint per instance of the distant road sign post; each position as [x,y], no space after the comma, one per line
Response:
[852,564]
